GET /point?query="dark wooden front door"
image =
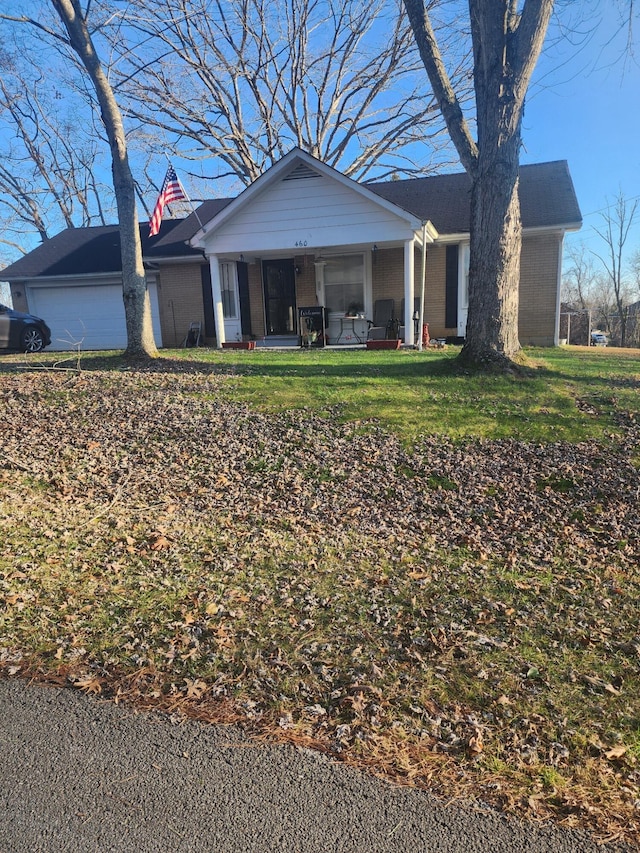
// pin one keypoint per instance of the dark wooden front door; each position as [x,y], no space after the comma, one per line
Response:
[280,297]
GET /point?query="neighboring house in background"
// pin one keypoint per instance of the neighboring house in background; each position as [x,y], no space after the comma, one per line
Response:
[575,324]
[302,235]
[633,325]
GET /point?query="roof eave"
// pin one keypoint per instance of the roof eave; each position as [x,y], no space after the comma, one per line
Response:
[81,277]
[175,259]
[560,228]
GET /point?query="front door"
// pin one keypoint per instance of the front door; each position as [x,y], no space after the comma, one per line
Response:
[280,297]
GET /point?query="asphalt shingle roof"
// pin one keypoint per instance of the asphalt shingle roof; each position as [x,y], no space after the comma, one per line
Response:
[547,199]
[83,251]
[186,228]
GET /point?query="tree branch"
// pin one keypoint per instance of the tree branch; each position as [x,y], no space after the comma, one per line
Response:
[441,84]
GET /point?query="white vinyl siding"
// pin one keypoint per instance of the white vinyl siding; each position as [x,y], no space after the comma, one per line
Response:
[301,215]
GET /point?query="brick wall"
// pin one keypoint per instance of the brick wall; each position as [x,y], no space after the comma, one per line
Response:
[538,284]
[180,299]
[305,281]
[538,288]
[180,291]
[388,283]
[387,275]
[434,301]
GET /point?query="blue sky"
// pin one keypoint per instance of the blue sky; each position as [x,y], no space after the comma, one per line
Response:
[584,107]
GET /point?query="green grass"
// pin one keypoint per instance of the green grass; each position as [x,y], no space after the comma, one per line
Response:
[424,393]
[568,394]
[196,533]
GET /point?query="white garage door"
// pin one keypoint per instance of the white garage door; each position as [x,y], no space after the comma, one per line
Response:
[87,316]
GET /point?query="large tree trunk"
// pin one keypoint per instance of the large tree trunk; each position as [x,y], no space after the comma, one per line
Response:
[494,271]
[507,37]
[137,306]
[140,342]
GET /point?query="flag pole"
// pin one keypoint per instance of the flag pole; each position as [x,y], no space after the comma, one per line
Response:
[186,195]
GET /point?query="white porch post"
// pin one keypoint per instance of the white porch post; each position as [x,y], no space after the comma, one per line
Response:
[409,336]
[319,266]
[423,281]
[216,293]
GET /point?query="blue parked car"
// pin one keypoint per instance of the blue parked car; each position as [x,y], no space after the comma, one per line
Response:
[22,332]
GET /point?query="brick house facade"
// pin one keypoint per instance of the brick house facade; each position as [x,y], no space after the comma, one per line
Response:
[305,235]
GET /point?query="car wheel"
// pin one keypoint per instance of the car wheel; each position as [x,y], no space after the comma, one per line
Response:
[32,339]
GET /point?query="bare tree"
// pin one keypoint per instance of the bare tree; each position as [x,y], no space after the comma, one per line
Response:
[617,223]
[579,286]
[579,278]
[140,342]
[238,83]
[633,317]
[507,37]
[47,160]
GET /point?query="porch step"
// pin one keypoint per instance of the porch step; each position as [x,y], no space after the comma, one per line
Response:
[279,341]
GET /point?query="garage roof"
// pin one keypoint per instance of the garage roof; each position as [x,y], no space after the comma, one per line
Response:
[86,251]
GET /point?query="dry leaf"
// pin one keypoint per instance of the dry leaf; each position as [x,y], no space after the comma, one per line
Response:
[616,752]
[89,684]
[476,743]
[195,688]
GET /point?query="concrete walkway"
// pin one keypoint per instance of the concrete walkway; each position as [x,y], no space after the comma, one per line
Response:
[81,775]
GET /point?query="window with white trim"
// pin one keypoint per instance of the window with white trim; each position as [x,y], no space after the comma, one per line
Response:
[344,284]
[228,290]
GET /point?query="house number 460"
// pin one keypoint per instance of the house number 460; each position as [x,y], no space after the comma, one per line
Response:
[300,243]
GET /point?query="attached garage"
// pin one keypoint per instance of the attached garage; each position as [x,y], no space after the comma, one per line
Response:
[89,316]
[74,282]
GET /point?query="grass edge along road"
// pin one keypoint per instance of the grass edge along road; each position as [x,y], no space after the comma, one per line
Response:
[456,610]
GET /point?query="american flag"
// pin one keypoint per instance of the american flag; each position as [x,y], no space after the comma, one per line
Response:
[171,191]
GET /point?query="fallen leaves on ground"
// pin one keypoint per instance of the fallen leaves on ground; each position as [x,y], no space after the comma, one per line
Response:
[457,615]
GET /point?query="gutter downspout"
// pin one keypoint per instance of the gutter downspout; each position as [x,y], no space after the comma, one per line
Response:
[556,337]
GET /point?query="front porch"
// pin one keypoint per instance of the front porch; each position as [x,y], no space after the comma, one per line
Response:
[304,235]
[262,299]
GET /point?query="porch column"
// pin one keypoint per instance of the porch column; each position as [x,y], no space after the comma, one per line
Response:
[409,336]
[216,293]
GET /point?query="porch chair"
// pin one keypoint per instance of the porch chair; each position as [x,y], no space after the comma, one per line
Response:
[384,324]
[194,335]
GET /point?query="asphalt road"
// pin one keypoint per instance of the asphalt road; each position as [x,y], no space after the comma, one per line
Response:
[81,774]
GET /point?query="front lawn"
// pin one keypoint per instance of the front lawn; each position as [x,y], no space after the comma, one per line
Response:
[428,573]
